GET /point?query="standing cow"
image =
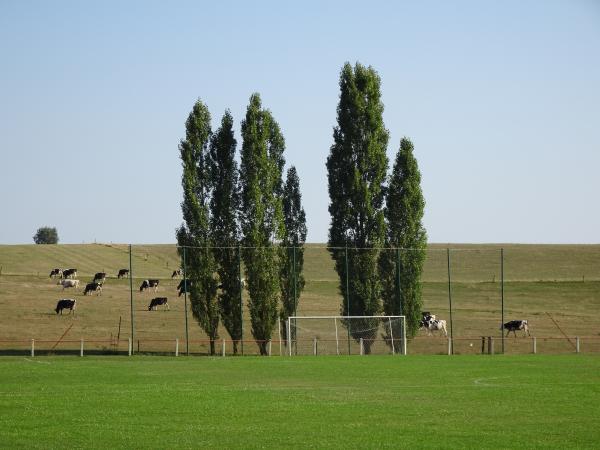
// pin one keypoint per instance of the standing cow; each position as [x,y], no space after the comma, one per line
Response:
[515,325]
[68,284]
[155,302]
[123,273]
[93,287]
[69,273]
[147,284]
[56,273]
[65,303]
[431,324]
[100,276]
[176,273]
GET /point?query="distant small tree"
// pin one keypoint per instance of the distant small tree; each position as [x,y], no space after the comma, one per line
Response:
[46,235]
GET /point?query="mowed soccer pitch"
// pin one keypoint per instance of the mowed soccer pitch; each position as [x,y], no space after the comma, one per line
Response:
[555,287]
[469,401]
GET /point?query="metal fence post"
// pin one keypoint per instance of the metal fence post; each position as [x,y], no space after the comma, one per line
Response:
[534,345]
[131,295]
[81,348]
[576,344]
[32,348]
[362,348]
[241,299]
[315,346]
[176,347]
[185,289]
[129,347]
[450,297]
[348,297]
[223,348]
[502,295]
[449,346]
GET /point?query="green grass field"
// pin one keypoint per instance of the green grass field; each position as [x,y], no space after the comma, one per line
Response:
[555,287]
[505,401]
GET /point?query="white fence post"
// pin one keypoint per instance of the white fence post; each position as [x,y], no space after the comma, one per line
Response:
[449,346]
[577,344]
[315,346]
[81,348]
[176,346]
[534,345]
[223,348]
[32,348]
[362,348]
[129,347]
[269,347]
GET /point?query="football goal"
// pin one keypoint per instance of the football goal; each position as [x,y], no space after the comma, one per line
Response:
[345,335]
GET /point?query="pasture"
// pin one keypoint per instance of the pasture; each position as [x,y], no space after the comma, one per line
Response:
[535,401]
[555,287]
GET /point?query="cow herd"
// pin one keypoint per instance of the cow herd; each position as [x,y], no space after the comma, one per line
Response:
[67,279]
[431,324]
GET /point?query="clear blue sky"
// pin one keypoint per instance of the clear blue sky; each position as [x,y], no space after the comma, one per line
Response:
[501,100]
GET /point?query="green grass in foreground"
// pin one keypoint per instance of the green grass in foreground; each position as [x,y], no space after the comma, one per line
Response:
[323,402]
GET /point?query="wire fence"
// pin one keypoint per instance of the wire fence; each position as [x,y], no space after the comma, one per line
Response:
[474,288]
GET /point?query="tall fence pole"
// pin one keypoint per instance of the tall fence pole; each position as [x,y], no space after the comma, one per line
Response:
[295,295]
[131,291]
[348,298]
[241,298]
[398,293]
[450,300]
[185,289]
[502,295]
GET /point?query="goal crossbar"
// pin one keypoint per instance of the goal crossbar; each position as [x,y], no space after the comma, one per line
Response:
[335,318]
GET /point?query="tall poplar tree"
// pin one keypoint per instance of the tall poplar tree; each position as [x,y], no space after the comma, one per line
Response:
[357,166]
[194,232]
[401,269]
[224,205]
[261,216]
[292,244]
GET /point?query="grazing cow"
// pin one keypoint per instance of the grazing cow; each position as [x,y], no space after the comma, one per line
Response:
[65,303]
[515,325]
[68,284]
[157,302]
[100,276]
[69,273]
[123,273]
[176,273]
[431,324]
[147,284]
[93,287]
[182,288]
[56,273]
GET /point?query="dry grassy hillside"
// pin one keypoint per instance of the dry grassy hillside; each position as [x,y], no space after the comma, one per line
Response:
[556,287]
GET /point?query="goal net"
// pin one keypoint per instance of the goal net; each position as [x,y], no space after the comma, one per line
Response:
[345,335]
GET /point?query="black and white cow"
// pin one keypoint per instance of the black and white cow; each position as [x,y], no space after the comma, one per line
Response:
[176,273]
[123,273]
[431,324]
[100,276]
[183,287]
[69,273]
[515,325]
[68,284]
[147,284]
[56,273]
[157,301]
[65,303]
[93,287]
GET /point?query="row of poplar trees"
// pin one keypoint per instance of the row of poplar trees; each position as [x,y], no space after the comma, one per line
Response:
[240,215]
[376,236]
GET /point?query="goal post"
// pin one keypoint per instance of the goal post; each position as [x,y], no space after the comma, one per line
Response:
[336,335]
